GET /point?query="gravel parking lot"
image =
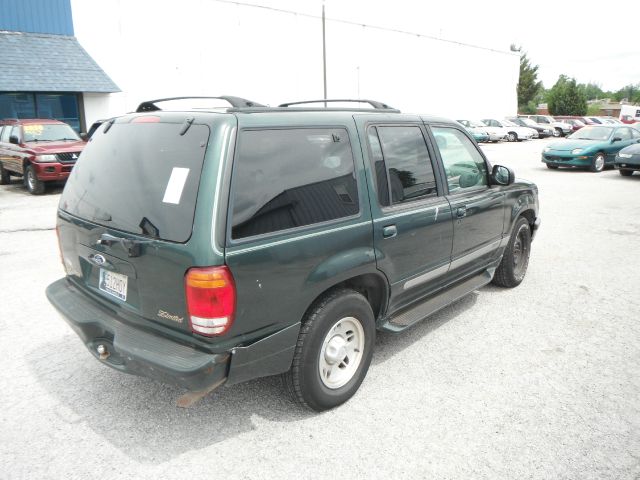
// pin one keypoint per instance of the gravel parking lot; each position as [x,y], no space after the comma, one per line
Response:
[542,381]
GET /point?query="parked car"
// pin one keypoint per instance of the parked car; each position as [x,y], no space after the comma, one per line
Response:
[627,160]
[515,133]
[575,124]
[496,134]
[38,150]
[592,147]
[477,131]
[543,132]
[211,247]
[559,128]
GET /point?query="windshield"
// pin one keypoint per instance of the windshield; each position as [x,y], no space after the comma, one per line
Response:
[592,133]
[529,122]
[508,123]
[48,132]
[478,123]
[140,178]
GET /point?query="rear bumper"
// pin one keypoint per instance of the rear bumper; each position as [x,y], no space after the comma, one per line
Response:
[148,354]
[132,350]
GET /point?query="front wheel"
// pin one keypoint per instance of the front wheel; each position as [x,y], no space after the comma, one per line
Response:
[515,259]
[552,167]
[597,164]
[34,186]
[512,137]
[333,352]
[557,132]
[625,173]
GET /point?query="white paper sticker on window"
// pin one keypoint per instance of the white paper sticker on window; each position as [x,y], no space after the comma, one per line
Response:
[173,192]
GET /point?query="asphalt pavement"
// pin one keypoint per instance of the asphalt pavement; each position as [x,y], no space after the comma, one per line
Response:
[541,381]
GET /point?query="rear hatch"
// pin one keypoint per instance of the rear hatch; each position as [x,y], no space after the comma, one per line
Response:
[126,216]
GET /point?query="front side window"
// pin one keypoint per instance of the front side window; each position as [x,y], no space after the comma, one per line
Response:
[624,133]
[402,164]
[463,164]
[290,178]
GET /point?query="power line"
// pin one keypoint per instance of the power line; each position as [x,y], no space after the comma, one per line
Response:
[373,27]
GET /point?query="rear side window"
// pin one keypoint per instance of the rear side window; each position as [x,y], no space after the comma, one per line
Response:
[290,178]
[141,178]
[402,164]
[463,164]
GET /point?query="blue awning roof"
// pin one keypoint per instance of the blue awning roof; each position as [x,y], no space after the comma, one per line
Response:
[35,62]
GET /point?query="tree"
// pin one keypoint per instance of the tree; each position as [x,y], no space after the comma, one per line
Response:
[592,91]
[630,92]
[528,84]
[565,98]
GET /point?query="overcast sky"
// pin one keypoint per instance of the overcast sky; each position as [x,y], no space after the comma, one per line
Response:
[588,40]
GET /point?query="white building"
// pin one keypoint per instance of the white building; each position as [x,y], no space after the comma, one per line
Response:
[272,53]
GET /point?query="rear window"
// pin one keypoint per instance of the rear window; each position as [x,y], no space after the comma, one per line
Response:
[141,178]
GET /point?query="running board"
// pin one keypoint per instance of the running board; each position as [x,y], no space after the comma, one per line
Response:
[446,297]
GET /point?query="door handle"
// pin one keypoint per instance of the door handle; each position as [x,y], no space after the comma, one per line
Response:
[389,231]
[461,212]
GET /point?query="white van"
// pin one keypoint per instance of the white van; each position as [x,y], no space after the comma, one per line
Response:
[630,113]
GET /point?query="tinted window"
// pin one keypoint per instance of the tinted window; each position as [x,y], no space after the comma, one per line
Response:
[380,169]
[139,177]
[290,178]
[407,165]
[463,164]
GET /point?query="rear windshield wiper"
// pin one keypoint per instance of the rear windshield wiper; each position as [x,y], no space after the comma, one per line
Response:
[65,140]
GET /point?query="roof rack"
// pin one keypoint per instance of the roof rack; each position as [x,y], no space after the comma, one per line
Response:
[235,102]
[375,104]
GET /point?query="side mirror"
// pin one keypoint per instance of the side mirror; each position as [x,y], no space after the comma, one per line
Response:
[84,136]
[14,139]
[502,175]
[616,139]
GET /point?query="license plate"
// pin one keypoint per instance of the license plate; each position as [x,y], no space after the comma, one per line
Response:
[113,283]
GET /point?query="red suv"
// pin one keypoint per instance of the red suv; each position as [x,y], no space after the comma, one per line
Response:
[38,150]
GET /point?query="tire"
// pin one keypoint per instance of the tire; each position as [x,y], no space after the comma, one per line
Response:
[512,137]
[552,167]
[625,173]
[557,132]
[333,351]
[515,259]
[597,164]
[34,186]
[5,178]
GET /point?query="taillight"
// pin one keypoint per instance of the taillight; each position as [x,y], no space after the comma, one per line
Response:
[211,300]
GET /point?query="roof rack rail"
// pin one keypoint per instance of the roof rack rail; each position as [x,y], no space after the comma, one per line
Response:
[235,102]
[375,104]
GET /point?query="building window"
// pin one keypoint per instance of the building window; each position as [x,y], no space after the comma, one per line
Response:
[58,106]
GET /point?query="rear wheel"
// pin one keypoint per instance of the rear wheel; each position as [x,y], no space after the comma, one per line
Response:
[5,178]
[625,173]
[597,164]
[333,351]
[34,186]
[515,259]
[557,132]
[512,137]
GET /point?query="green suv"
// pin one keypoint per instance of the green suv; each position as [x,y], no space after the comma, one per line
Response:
[212,247]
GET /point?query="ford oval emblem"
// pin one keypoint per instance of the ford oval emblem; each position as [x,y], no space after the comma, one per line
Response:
[99,259]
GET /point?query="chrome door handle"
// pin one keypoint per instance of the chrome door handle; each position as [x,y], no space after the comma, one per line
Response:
[389,231]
